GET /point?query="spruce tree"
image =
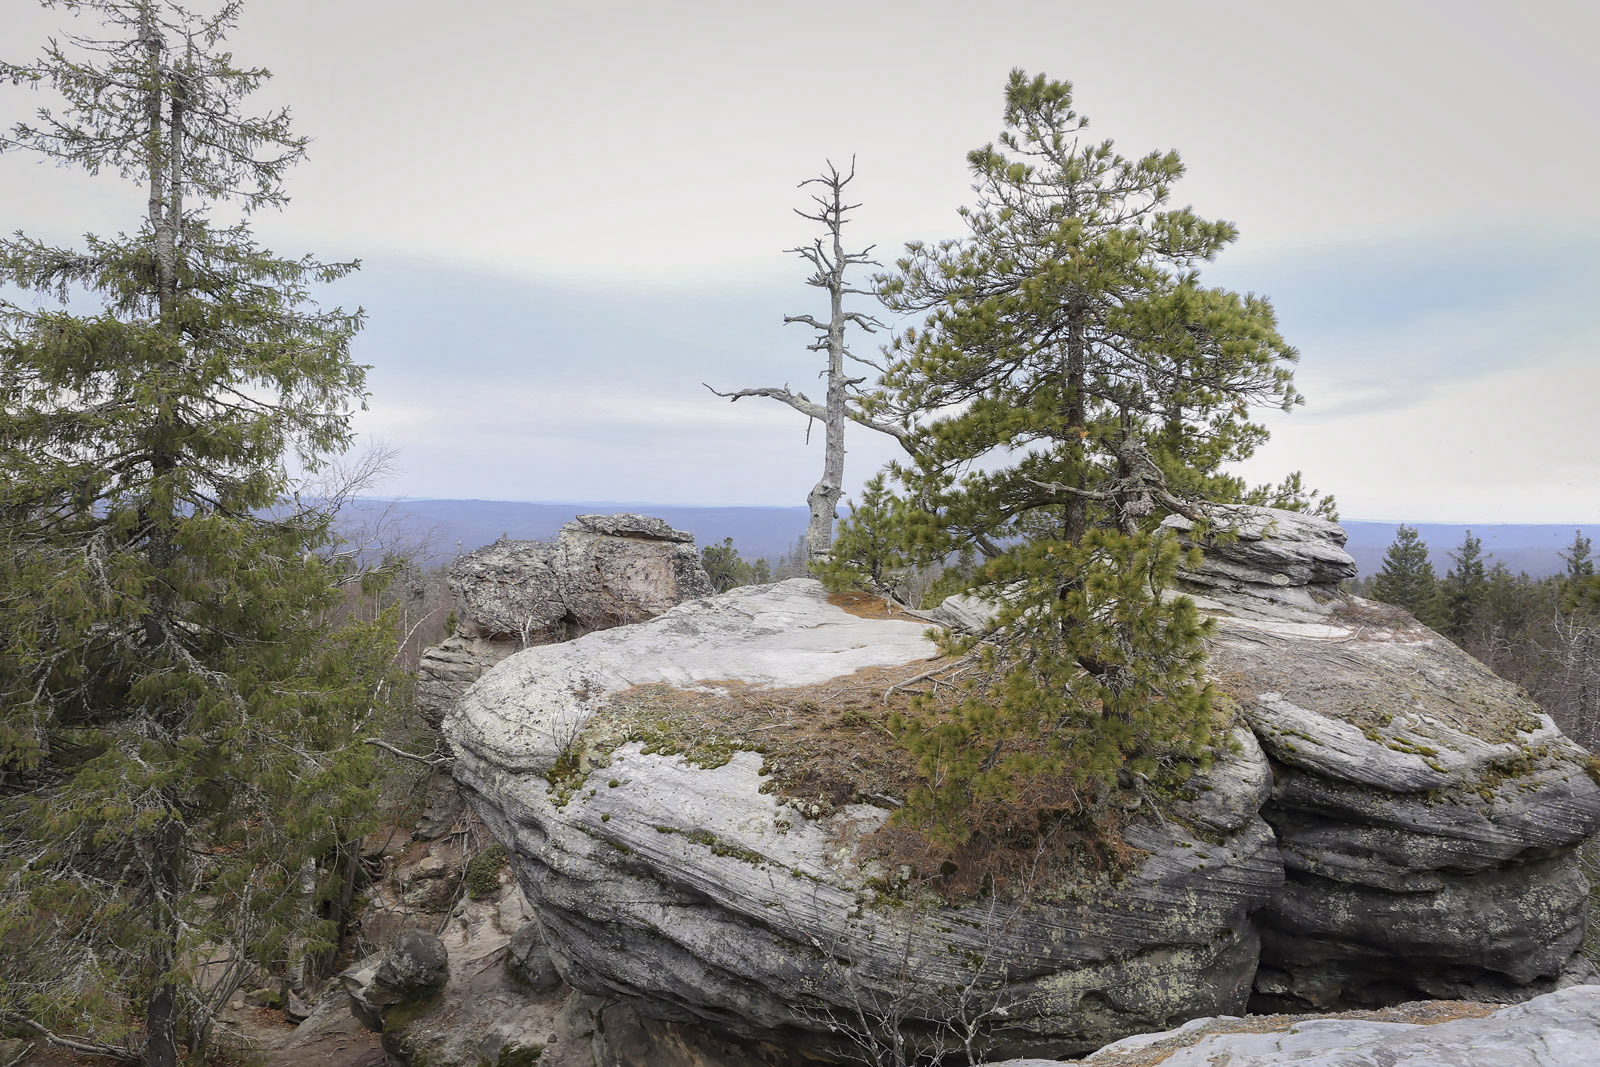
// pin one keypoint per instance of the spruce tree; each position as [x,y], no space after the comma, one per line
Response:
[1579,558]
[180,713]
[1462,593]
[1073,382]
[1407,579]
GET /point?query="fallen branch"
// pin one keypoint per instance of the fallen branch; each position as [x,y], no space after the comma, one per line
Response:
[954,670]
[73,1044]
[430,760]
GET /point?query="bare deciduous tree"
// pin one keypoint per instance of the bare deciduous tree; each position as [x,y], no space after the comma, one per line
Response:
[829,259]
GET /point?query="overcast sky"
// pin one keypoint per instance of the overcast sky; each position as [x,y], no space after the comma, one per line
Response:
[572,214]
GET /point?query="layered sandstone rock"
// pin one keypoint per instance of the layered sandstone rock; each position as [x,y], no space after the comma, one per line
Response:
[600,571]
[1427,810]
[1426,814]
[697,894]
[1555,1030]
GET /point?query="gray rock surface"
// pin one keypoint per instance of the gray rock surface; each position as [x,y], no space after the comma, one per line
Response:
[1427,811]
[1559,1029]
[411,971]
[600,571]
[452,998]
[1273,560]
[693,894]
[1426,814]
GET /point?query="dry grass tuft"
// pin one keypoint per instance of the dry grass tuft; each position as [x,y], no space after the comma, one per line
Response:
[828,745]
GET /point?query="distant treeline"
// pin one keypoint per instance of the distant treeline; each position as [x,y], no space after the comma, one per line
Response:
[1532,547]
[1541,632]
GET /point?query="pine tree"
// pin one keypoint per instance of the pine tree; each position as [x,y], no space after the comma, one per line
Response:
[1407,579]
[1462,593]
[1073,382]
[180,714]
[867,553]
[727,569]
[1579,558]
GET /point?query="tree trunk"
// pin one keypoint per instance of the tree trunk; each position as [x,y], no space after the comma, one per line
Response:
[824,497]
[165,841]
[162,859]
[1075,523]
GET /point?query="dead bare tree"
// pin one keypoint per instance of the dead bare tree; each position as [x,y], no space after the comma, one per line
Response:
[829,260]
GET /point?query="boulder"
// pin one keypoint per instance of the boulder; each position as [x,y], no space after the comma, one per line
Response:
[1427,811]
[452,997]
[678,882]
[1420,822]
[411,972]
[600,571]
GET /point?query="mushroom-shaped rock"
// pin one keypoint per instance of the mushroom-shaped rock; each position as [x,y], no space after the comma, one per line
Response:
[667,871]
[600,571]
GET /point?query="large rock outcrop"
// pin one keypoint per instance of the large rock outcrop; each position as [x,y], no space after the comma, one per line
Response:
[600,571]
[1424,811]
[699,894]
[1427,810]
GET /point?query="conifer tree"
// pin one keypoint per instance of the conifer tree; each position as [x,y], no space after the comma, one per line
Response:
[180,716]
[1463,590]
[1579,558]
[727,569]
[1407,579]
[867,552]
[1073,383]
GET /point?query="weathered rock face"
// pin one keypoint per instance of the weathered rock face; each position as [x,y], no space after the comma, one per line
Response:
[1426,810]
[697,895]
[600,571]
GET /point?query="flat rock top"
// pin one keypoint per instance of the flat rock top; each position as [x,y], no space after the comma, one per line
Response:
[628,524]
[1560,1029]
[770,636]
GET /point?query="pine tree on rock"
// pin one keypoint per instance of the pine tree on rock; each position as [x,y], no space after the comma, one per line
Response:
[180,714]
[1407,579]
[1073,383]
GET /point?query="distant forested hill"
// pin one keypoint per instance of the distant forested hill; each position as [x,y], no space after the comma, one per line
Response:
[445,527]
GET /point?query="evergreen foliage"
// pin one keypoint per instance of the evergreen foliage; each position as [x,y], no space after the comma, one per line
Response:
[181,706]
[1463,590]
[1579,558]
[1098,685]
[728,570]
[1072,383]
[1407,579]
[867,551]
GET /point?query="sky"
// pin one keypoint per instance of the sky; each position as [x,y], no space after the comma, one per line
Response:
[570,215]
